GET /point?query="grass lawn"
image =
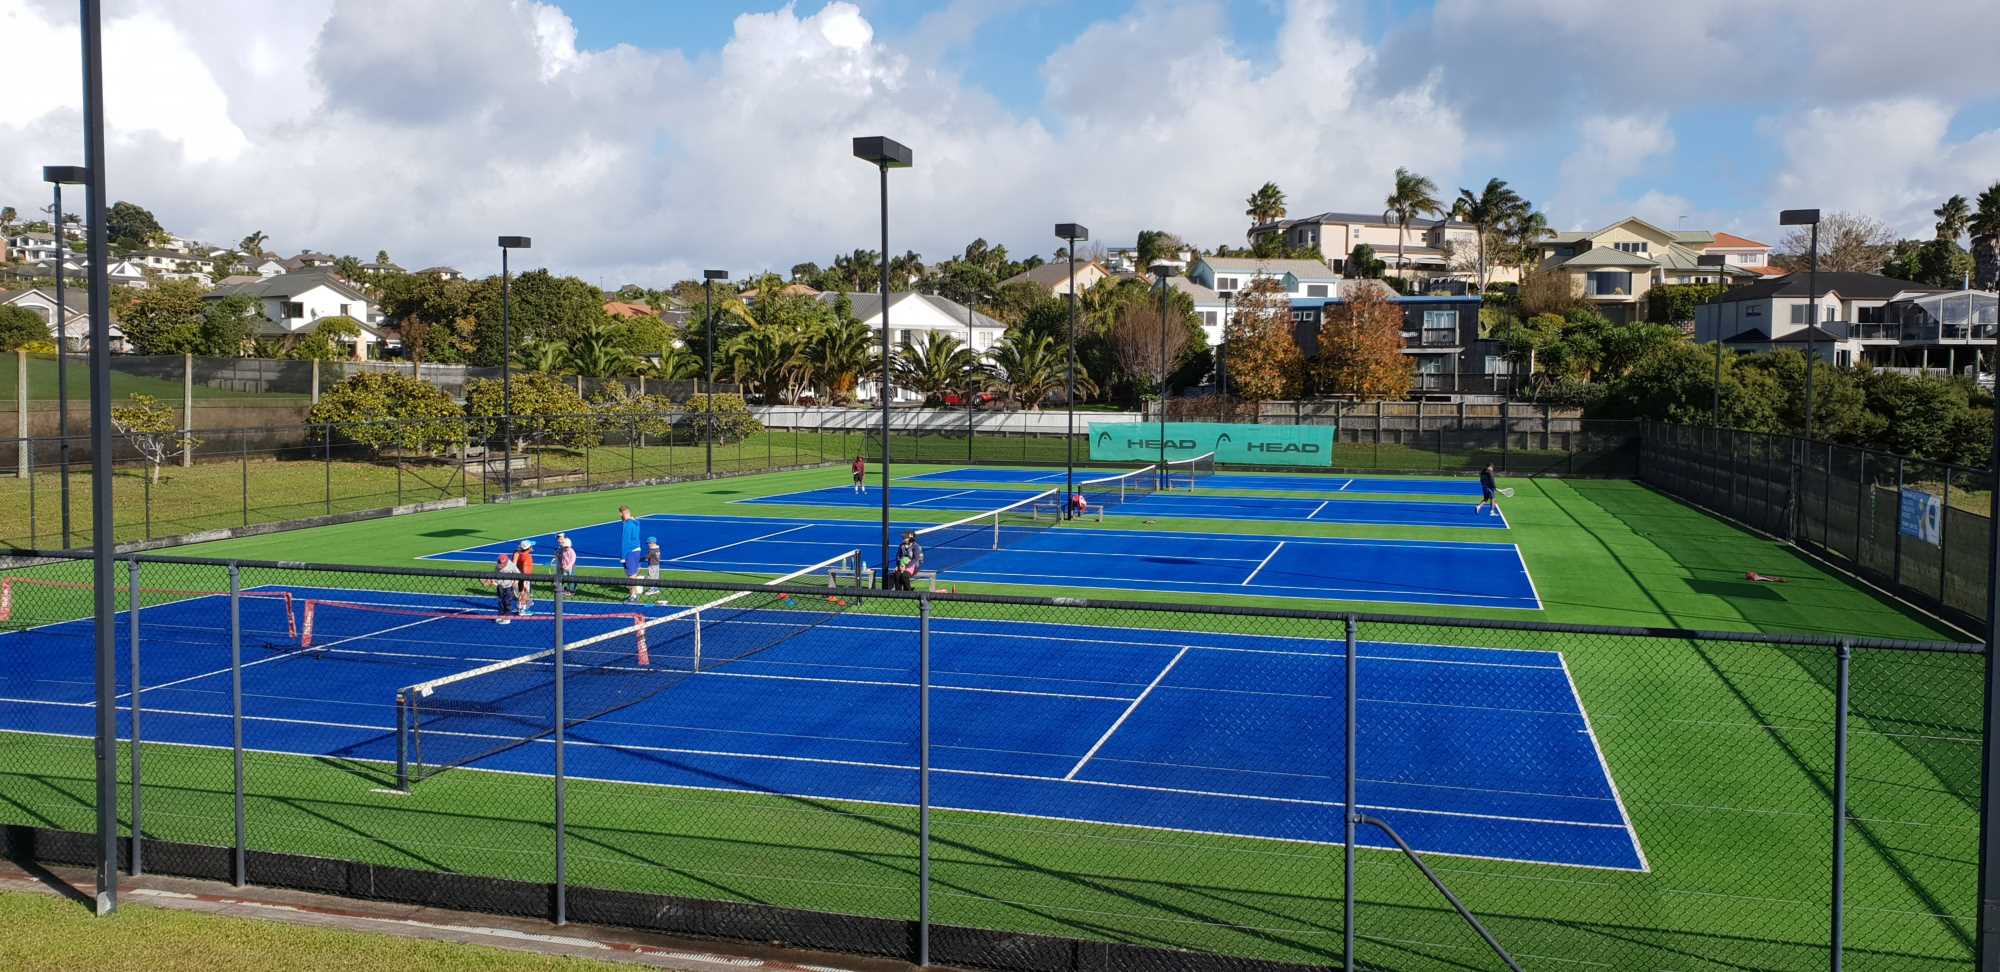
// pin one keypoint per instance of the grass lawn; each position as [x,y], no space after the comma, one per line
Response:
[42,382]
[1721,753]
[46,933]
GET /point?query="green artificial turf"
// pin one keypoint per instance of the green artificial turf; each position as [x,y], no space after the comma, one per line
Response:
[1722,754]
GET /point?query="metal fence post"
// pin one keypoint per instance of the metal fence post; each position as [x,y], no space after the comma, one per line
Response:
[1846,652]
[237,874]
[1896,568]
[924,780]
[1944,532]
[243,446]
[1347,812]
[326,438]
[1826,502]
[132,603]
[561,817]
[1863,492]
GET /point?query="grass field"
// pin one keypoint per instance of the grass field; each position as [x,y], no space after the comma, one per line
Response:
[42,382]
[48,934]
[1721,752]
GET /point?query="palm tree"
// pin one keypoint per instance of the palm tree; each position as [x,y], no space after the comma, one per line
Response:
[547,357]
[595,353]
[1493,207]
[253,245]
[1414,196]
[1028,368]
[7,218]
[1525,232]
[1953,217]
[839,355]
[1266,205]
[676,362]
[1985,230]
[770,361]
[938,364]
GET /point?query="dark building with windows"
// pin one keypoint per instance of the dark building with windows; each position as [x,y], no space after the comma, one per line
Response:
[1441,335]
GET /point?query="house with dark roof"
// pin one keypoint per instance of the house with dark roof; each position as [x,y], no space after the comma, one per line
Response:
[75,319]
[293,303]
[1850,318]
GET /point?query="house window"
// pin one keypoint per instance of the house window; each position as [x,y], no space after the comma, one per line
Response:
[1753,310]
[1440,327]
[1432,364]
[1497,365]
[1798,313]
[1300,316]
[1608,283]
[294,310]
[1872,315]
[1316,290]
[1225,283]
[1634,246]
[343,311]
[1208,318]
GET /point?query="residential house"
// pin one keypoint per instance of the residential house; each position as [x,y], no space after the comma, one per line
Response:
[626,310]
[172,265]
[75,323]
[127,273]
[442,273]
[375,269]
[307,260]
[1860,317]
[1124,259]
[1615,267]
[749,294]
[32,247]
[1430,246]
[912,314]
[1208,305]
[1440,336]
[291,302]
[1299,278]
[265,266]
[1747,254]
[1054,277]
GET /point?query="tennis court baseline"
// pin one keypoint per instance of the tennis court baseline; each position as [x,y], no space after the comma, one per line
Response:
[1205,732]
[1174,505]
[1461,574]
[1314,483]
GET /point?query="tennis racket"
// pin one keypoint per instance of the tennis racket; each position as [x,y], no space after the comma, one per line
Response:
[1507,491]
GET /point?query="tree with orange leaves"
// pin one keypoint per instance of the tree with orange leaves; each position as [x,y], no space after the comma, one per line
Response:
[1361,347]
[1263,360]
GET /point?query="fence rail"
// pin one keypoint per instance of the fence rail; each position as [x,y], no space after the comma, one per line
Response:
[1028,783]
[1842,503]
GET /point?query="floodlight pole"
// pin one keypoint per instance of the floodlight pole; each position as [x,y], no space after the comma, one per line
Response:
[103,585]
[507,361]
[1163,270]
[884,154]
[1073,233]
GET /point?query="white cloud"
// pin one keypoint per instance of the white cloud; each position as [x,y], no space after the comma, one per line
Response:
[1610,149]
[426,129]
[1893,159]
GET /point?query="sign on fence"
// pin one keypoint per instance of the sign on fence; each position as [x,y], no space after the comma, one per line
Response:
[1262,445]
[1922,515]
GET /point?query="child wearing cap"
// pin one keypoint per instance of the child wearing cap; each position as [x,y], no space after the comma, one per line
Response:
[565,564]
[524,561]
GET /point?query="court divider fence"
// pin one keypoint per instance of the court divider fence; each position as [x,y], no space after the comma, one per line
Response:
[1023,783]
[1842,503]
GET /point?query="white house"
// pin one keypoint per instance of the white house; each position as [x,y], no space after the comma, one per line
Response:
[1054,277]
[442,273]
[1299,278]
[1853,311]
[291,303]
[1428,245]
[911,314]
[75,319]
[126,273]
[32,247]
[265,266]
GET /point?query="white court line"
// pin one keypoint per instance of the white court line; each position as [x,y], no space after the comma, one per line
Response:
[289,654]
[939,499]
[1342,488]
[739,543]
[1604,765]
[1127,714]
[1316,510]
[1327,593]
[1261,563]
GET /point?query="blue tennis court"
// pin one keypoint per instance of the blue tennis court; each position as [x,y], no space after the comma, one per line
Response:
[1177,505]
[1386,571]
[1475,752]
[1245,481]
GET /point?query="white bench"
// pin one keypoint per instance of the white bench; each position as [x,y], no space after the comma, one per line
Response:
[868,577]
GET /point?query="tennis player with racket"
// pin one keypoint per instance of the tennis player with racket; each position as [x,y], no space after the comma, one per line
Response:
[1488,489]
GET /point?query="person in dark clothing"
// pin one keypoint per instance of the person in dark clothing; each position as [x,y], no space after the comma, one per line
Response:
[909,560]
[1488,490]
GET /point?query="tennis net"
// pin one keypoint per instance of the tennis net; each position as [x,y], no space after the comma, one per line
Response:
[1113,490]
[948,546]
[1187,473]
[469,715]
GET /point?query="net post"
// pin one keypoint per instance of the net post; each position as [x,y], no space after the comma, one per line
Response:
[132,621]
[561,816]
[1836,929]
[237,873]
[403,741]
[696,614]
[923,779]
[1348,816]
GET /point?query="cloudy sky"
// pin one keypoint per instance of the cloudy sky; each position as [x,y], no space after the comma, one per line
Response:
[641,140]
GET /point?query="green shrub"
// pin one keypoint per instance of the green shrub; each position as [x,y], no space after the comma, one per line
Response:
[733,420]
[380,409]
[547,411]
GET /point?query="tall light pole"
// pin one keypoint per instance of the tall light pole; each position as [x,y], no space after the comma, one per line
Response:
[1074,233]
[1163,270]
[884,154]
[1808,217]
[59,176]
[708,279]
[102,538]
[507,360]
[1719,262]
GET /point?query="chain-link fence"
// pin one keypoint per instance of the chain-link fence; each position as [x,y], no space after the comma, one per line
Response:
[1011,782]
[1844,503]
